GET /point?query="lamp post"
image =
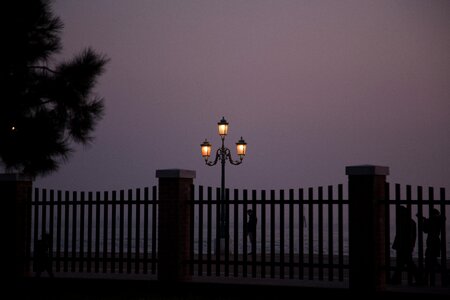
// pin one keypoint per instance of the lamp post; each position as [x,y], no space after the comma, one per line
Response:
[223,154]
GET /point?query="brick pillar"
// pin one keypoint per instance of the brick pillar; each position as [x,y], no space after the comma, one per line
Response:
[15,197]
[174,215]
[367,227]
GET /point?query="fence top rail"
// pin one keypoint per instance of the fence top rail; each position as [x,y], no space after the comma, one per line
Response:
[397,193]
[123,190]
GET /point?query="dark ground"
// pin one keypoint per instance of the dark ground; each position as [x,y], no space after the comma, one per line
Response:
[95,289]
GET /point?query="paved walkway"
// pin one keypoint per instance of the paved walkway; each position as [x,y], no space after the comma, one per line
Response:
[199,285]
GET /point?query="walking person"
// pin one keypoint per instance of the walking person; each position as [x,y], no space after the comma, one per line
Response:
[43,259]
[432,227]
[251,230]
[404,243]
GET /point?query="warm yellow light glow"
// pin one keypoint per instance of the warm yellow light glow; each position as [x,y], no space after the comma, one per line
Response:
[13,128]
[241,147]
[206,149]
[223,127]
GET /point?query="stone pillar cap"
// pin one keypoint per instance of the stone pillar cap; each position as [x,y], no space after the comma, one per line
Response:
[175,173]
[366,170]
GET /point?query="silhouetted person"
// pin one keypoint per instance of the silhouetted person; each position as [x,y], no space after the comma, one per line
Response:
[432,227]
[251,229]
[43,258]
[404,243]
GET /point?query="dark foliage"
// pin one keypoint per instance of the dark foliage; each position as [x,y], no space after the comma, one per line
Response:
[46,107]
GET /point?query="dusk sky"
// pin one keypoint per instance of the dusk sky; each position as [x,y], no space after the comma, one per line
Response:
[312,86]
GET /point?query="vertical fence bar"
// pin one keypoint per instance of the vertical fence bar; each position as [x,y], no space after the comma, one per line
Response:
[320,233]
[227,235]
[105,231]
[66,231]
[36,225]
[272,233]
[145,237]
[430,199]
[254,250]
[263,233]
[341,231]
[97,231]
[281,216]
[209,231]
[154,228]
[129,230]
[387,245]
[51,226]
[113,231]
[291,233]
[444,271]
[398,196]
[301,226]
[408,197]
[89,233]
[137,234]
[58,230]
[430,268]
[192,231]
[121,228]
[44,213]
[408,205]
[74,231]
[218,239]
[81,236]
[420,227]
[245,245]
[311,233]
[330,234]
[397,199]
[200,231]
[236,233]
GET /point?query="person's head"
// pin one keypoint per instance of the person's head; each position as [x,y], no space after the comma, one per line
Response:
[249,212]
[403,211]
[435,212]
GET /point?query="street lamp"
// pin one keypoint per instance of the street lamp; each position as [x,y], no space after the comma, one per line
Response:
[223,154]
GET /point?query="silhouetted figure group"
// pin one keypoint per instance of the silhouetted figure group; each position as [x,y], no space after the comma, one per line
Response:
[43,259]
[405,240]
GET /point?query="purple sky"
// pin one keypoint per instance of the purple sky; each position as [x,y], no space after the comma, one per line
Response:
[312,86]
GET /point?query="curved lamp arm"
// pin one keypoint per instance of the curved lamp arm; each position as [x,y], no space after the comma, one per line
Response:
[233,162]
[212,163]
[223,153]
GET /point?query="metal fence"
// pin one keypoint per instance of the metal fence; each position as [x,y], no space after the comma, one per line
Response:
[109,232]
[301,234]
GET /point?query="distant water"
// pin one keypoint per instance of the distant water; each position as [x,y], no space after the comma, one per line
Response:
[296,245]
[299,224]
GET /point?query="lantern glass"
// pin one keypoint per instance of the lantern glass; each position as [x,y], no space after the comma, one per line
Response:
[223,127]
[206,149]
[241,147]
